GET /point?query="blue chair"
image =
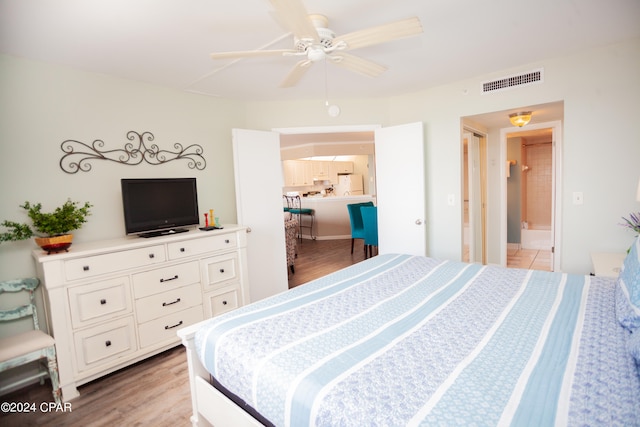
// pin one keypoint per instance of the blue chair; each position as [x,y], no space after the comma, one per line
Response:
[370,221]
[33,345]
[355,218]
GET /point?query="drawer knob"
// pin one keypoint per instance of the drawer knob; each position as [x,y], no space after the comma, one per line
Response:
[226,240]
[222,270]
[85,268]
[152,256]
[224,302]
[182,249]
[107,343]
[103,301]
[169,279]
[174,326]
[164,304]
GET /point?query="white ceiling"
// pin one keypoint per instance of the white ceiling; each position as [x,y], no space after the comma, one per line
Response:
[167,42]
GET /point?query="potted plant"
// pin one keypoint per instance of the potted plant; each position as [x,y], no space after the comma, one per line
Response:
[633,222]
[52,228]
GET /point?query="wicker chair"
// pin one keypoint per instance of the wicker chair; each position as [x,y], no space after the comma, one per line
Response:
[291,231]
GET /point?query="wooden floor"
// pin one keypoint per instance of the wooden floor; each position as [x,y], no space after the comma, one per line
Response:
[317,258]
[155,392]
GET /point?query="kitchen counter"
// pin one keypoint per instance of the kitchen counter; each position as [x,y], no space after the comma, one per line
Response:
[332,216]
[366,197]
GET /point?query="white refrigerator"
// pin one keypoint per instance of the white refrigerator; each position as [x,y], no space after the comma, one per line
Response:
[349,185]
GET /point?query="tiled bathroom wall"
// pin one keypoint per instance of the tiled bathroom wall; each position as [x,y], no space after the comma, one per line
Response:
[537,185]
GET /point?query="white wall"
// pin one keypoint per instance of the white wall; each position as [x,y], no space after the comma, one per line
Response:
[601,154]
[42,105]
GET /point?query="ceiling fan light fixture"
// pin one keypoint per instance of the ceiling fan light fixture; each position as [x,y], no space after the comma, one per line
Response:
[520,119]
[316,54]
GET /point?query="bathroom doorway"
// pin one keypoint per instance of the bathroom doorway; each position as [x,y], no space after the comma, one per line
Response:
[530,197]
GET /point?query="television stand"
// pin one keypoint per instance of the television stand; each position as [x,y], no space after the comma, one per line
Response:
[163,232]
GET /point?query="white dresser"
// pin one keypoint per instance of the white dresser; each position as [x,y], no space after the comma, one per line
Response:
[113,303]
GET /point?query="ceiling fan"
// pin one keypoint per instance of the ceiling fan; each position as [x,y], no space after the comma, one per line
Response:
[314,41]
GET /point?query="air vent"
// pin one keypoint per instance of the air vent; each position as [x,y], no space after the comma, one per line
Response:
[518,80]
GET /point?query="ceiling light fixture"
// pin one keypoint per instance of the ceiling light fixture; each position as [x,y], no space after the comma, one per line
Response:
[520,119]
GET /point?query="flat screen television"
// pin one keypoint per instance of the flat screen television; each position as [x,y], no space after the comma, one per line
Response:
[158,206]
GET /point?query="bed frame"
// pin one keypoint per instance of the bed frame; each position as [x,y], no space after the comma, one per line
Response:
[210,406]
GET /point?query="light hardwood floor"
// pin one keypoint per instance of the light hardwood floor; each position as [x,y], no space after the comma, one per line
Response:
[155,392]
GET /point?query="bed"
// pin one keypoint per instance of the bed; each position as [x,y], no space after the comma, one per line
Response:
[407,340]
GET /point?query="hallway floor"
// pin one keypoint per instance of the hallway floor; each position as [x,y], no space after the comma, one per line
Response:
[529,258]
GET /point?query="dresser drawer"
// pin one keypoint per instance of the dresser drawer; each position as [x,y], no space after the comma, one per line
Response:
[116,261]
[165,278]
[164,329]
[99,301]
[187,248]
[220,271]
[218,303]
[169,302]
[104,343]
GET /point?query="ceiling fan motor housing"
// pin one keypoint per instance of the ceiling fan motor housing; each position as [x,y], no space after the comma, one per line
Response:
[325,36]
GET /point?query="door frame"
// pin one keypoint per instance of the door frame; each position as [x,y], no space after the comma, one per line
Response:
[483,149]
[556,205]
[326,129]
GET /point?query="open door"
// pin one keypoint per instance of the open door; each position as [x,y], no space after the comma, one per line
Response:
[400,195]
[259,206]
[474,223]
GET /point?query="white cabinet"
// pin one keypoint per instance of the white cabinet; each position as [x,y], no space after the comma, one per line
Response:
[304,172]
[342,167]
[297,172]
[607,264]
[111,304]
[321,170]
[220,278]
[339,167]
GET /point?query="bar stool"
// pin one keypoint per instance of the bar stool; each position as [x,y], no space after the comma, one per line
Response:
[294,206]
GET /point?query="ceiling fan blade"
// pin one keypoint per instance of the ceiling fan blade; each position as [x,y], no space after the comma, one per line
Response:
[357,64]
[381,34]
[253,53]
[293,15]
[296,73]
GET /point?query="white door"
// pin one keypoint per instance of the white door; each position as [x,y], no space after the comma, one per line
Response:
[256,156]
[401,189]
[475,199]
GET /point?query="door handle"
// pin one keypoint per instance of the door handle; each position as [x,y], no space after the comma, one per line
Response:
[418,221]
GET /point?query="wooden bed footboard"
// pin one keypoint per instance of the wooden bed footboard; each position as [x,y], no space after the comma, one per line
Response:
[210,406]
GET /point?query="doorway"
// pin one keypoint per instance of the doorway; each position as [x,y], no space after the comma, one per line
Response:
[530,199]
[495,126]
[533,205]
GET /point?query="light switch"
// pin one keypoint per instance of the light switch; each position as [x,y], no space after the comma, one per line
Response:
[577,198]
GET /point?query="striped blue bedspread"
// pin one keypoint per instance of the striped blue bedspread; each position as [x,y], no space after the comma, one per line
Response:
[403,340]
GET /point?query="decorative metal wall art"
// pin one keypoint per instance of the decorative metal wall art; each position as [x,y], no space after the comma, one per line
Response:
[78,155]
